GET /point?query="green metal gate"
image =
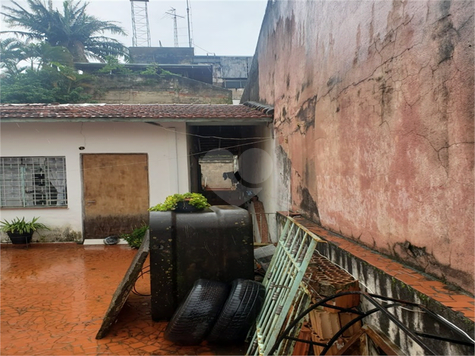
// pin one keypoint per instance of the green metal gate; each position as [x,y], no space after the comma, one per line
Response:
[285,296]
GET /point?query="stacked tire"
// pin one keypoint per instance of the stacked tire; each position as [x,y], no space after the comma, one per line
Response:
[216,312]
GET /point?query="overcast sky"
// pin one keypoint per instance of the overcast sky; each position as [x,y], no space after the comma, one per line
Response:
[221,27]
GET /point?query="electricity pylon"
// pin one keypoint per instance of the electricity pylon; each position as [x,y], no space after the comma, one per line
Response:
[140,25]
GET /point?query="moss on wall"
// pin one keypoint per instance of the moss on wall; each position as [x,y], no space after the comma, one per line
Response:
[157,89]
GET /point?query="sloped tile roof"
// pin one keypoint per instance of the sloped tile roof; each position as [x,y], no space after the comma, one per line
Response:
[132,112]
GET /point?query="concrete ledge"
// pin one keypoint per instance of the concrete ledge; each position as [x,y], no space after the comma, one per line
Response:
[381,275]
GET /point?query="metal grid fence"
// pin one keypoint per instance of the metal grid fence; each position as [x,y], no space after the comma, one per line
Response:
[33,182]
[285,296]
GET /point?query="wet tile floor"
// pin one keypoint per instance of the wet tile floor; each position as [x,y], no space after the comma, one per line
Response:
[54,297]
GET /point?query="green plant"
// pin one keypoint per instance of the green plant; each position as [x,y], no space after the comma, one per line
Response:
[21,226]
[152,69]
[113,66]
[134,239]
[197,200]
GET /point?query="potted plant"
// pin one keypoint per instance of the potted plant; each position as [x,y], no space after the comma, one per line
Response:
[182,203]
[21,231]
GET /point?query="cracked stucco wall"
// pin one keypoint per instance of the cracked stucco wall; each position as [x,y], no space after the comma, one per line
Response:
[374,110]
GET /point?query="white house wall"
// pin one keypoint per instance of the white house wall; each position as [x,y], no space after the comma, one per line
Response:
[165,146]
[257,166]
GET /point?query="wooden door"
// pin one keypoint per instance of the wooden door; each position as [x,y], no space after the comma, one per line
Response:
[115,193]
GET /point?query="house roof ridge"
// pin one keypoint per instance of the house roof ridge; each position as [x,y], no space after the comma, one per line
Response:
[126,112]
[116,104]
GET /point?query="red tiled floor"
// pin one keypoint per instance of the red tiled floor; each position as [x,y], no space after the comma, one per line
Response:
[54,297]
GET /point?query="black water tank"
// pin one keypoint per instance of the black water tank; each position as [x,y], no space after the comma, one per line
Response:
[215,244]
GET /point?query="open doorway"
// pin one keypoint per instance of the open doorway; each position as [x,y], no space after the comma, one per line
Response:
[215,167]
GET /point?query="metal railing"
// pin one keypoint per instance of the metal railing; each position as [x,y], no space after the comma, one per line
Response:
[283,279]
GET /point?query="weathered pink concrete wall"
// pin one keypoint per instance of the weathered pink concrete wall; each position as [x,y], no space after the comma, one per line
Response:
[374,108]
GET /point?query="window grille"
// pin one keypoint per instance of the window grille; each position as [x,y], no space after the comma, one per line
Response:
[33,182]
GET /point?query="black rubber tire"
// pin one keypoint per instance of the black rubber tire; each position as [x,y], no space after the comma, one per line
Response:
[193,320]
[239,312]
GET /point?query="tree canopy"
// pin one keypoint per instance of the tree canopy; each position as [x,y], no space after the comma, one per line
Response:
[41,73]
[73,28]
[11,54]
[51,84]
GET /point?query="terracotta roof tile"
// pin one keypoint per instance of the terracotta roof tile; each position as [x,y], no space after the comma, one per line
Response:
[187,112]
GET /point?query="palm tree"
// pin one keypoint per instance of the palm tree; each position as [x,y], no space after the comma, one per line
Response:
[43,54]
[14,54]
[11,54]
[74,29]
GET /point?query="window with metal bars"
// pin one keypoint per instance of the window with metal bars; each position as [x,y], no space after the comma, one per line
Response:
[33,182]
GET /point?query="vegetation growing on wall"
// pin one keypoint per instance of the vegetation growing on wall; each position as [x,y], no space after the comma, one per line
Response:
[113,66]
[154,70]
